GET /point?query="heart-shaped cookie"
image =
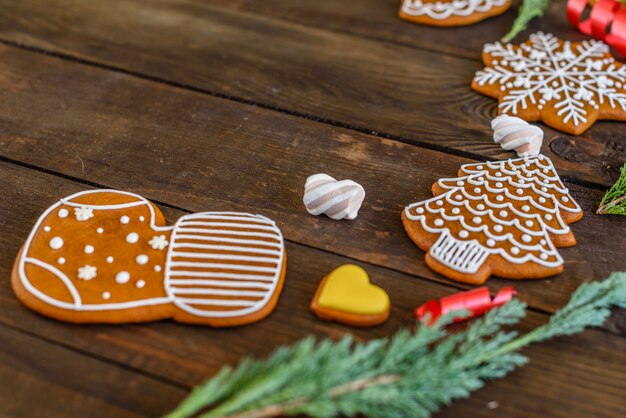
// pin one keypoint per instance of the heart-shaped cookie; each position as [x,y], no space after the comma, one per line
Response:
[346,295]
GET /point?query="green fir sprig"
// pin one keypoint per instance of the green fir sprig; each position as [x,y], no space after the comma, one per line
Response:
[614,200]
[529,10]
[412,374]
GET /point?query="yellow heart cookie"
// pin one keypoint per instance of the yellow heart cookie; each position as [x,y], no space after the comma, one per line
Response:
[346,295]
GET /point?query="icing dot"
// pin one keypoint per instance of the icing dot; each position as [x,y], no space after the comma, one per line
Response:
[519,191]
[497,228]
[498,184]
[419,210]
[491,242]
[439,203]
[543,256]
[109,259]
[521,181]
[542,199]
[157,268]
[480,207]
[504,213]
[141,218]
[477,220]
[460,183]
[463,234]
[477,190]
[132,238]
[526,238]
[56,243]
[548,216]
[63,213]
[122,277]
[498,174]
[525,208]
[514,250]
[89,249]
[542,242]
[124,219]
[529,223]
[458,197]
[544,189]
[140,284]
[61,260]
[106,295]
[438,222]
[480,167]
[141,259]
[99,230]
[456,211]
[499,198]
[46,228]
[565,198]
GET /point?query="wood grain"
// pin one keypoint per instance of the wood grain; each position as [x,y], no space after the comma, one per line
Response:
[202,153]
[578,376]
[369,85]
[40,379]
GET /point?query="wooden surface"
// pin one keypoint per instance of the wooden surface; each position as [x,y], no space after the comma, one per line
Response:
[230,105]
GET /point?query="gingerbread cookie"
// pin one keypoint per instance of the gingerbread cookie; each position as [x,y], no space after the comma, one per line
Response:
[347,296]
[567,85]
[504,218]
[451,12]
[107,256]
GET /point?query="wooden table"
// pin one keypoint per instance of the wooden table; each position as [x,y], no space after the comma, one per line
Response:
[230,105]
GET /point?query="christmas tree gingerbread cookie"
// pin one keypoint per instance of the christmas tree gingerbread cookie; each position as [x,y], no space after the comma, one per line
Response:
[108,256]
[451,12]
[567,85]
[503,218]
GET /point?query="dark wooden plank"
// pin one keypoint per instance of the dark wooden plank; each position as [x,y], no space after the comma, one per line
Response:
[575,377]
[40,379]
[202,153]
[344,79]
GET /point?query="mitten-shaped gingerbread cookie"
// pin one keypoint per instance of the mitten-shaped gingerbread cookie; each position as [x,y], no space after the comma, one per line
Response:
[108,256]
[504,218]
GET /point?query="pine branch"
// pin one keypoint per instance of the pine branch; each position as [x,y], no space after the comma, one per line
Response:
[408,375]
[529,10]
[614,201]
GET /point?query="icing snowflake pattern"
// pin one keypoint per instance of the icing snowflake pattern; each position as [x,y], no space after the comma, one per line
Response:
[440,10]
[83,213]
[158,242]
[546,76]
[87,272]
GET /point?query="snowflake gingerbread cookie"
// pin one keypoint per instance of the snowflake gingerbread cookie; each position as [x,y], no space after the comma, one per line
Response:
[108,256]
[567,85]
[504,218]
[451,12]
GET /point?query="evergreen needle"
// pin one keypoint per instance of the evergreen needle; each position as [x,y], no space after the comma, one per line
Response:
[412,374]
[529,10]
[614,201]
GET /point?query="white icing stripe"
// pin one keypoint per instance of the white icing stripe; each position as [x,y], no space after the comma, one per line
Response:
[217,292]
[248,219]
[233,257]
[239,267]
[221,275]
[231,248]
[230,232]
[217,302]
[231,240]
[231,225]
[220,283]
[444,9]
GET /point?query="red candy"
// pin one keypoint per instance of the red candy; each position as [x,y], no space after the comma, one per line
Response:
[607,21]
[477,301]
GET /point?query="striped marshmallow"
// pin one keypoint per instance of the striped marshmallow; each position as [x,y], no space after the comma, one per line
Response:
[336,199]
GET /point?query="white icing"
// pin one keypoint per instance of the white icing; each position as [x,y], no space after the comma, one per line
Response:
[124,219]
[140,284]
[141,218]
[89,249]
[83,213]
[63,213]
[87,272]
[56,243]
[110,259]
[106,295]
[132,238]
[46,228]
[141,259]
[158,242]
[444,9]
[122,277]
[157,268]
[61,260]
[100,230]
[543,73]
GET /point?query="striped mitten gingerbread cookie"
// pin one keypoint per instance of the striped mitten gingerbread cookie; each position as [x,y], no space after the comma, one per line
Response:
[108,256]
[504,218]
